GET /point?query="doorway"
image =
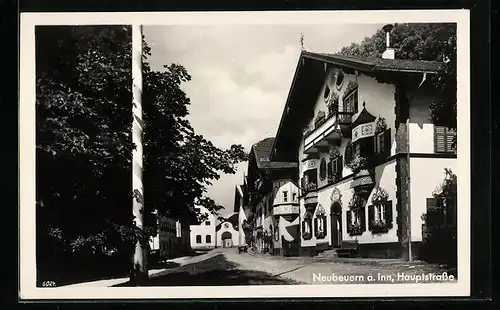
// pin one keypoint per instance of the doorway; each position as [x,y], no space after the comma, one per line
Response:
[227,239]
[336,225]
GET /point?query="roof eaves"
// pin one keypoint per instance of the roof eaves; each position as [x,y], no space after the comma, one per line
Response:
[377,68]
[287,103]
[354,64]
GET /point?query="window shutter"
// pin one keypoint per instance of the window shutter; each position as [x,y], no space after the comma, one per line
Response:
[387,143]
[340,166]
[371,216]
[432,213]
[439,139]
[348,220]
[325,227]
[388,213]
[450,135]
[315,226]
[362,219]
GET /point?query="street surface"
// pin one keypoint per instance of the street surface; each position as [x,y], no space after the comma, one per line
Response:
[228,267]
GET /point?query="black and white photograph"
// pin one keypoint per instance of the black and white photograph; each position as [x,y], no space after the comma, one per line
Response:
[244,154]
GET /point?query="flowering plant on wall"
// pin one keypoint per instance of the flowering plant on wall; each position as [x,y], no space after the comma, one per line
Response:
[334,152]
[320,119]
[355,202]
[307,131]
[379,195]
[333,104]
[310,186]
[355,229]
[352,85]
[381,125]
[379,226]
[357,163]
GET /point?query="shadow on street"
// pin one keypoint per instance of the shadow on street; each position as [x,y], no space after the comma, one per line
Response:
[214,271]
[80,271]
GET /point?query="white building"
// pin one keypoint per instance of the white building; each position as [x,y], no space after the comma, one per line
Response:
[369,157]
[227,232]
[203,234]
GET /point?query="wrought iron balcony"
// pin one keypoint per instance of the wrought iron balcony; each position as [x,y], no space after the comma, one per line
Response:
[328,128]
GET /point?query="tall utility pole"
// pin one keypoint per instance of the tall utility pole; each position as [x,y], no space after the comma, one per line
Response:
[140,268]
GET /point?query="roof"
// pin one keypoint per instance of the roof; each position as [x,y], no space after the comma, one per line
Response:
[262,151]
[379,64]
[362,117]
[307,82]
[233,219]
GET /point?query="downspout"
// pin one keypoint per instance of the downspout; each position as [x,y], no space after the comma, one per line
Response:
[410,255]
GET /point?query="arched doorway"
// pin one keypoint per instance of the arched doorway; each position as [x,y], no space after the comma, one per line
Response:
[336,224]
[227,239]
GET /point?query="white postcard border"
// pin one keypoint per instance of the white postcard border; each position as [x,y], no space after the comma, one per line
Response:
[27,164]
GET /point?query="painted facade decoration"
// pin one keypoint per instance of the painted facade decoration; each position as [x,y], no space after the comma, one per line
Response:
[363,130]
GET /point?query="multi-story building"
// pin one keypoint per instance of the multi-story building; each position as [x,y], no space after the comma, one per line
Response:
[368,155]
[273,201]
[203,233]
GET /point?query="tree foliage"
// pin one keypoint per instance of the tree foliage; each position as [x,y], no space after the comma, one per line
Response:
[84,145]
[423,41]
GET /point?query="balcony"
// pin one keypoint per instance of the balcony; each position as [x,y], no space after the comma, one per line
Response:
[333,127]
[286,209]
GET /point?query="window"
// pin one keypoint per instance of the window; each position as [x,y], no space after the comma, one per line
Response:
[379,143]
[294,196]
[380,217]
[322,169]
[351,102]
[443,139]
[310,180]
[335,169]
[208,239]
[348,156]
[207,223]
[198,238]
[383,144]
[357,149]
[285,196]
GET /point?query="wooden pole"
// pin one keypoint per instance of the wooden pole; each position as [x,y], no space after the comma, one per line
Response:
[140,270]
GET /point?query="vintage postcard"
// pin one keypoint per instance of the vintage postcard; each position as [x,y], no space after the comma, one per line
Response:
[247,154]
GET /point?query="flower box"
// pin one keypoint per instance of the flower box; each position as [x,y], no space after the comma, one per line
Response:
[379,227]
[355,229]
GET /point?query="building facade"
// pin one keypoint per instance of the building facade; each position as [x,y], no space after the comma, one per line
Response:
[273,202]
[368,156]
[202,235]
[172,238]
[227,232]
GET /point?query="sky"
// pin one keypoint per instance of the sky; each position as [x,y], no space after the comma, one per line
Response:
[241,76]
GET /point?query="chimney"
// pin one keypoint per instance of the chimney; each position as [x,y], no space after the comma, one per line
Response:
[389,52]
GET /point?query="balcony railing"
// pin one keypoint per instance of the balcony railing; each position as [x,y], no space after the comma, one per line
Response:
[325,128]
[344,118]
[286,209]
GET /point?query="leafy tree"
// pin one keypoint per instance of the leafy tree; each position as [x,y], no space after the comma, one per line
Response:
[84,145]
[423,41]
